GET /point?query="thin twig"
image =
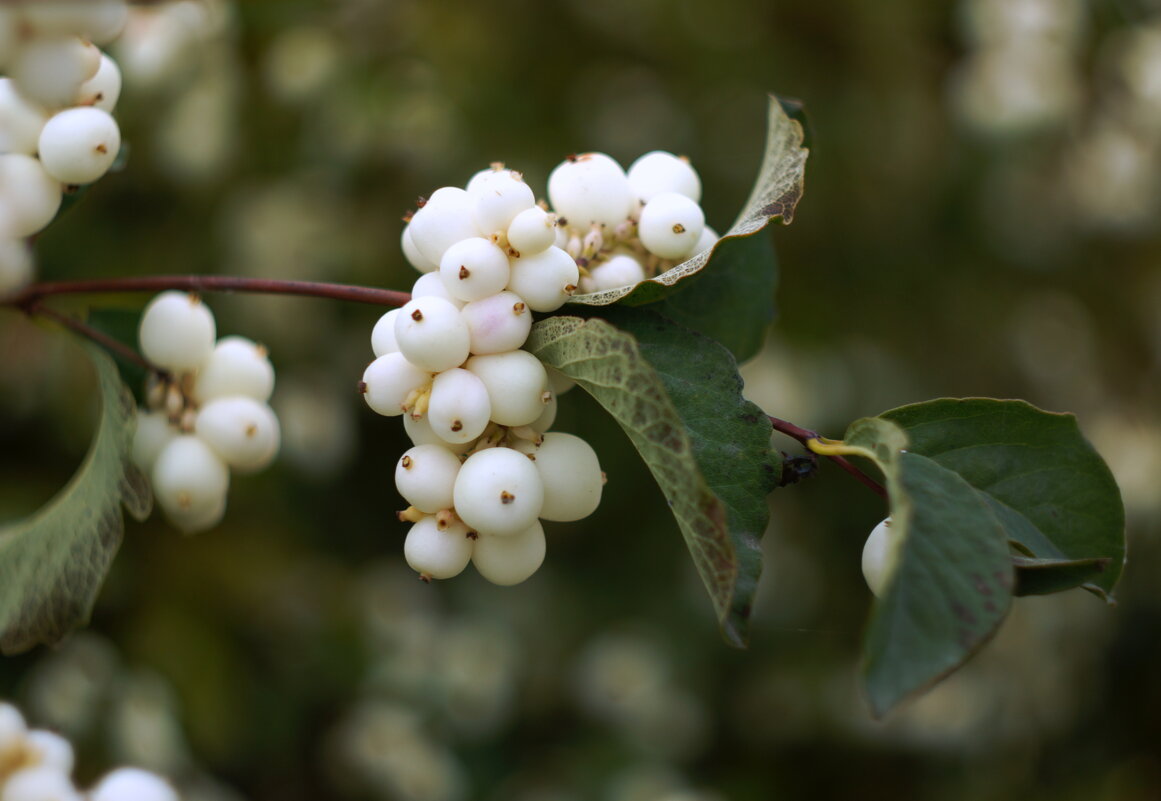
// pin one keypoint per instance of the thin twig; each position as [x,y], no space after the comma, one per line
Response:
[803,435]
[100,337]
[209,283]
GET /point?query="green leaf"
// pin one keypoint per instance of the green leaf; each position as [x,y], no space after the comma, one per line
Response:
[1046,576]
[1051,491]
[734,302]
[52,563]
[951,575]
[678,397]
[774,197]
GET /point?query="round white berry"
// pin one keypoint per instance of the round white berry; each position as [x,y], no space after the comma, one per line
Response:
[190,482]
[17,265]
[98,21]
[177,331]
[671,225]
[132,784]
[426,475]
[383,334]
[545,280]
[460,406]
[412,254]
[389,383]
[620,270]
[51,69]
[20,121]
[48,749]
[420,432]
[499,196]
[12,727]
[153,433]
[431,285]
[707,240]
[29,196]
[445,219]
[103,90]
[497,323]
[244,432]
[590,188]
[659,171]
[510,560]
[39,784]
[498,491]
[473,269]
[877,558]
[571,475]
[236,366]
[532,231]
[438,553]
[558,382]
[516,383]
[547,417]
[430,332]
[78,145]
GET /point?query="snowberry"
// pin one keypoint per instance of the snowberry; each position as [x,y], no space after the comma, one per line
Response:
[460,406]
[132,784]
[190,482]
[383,334]
[412,254]
[51,69]
[510,560]
[532,231]
[12,727]
[620,270]
[516,383]
[39,784]
[426,475]
[499,195]
[420,432]
[547,417]
[48,749]
[497,323]
[671,225]
[545,280]
[659,171]
[590,188]
[498,491]
[431,285]
[16,265]
[98,21]
[473,269]
[236,366]
[431,334]
[244,432]
[153,433]
[707,240]
[571,476]
[29,196]
[177,331]
[20,121]
[78,145]
[445,219]
[877,558]
[435,552]
[389,382]
[103,90]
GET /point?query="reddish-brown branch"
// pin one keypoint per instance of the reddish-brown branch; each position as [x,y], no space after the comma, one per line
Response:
[31,294]
[803,435]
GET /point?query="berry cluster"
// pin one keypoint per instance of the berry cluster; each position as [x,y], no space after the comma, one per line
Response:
[484,470]
[208,413]
[56,127]
[36,765]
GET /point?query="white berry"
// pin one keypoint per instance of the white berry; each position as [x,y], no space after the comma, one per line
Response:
[190,482]
[517,385]
[878,558]
[236,366]
[590,188]
[473,269]
[390,381]
[460,406]
[243,431]
[430,332]
[545,280]
[510,560]
[177,331]
[671,225]
[498,491]
[571,475]
[532,231]
[426,475]
[438,553]
[659,171]
[497,323]
[78,145]
[132,784]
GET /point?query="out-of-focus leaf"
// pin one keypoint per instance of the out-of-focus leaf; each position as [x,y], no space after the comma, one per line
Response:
[52,564]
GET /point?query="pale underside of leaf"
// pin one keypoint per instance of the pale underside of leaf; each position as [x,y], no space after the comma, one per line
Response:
[774,197]
[605,362]
[53,563]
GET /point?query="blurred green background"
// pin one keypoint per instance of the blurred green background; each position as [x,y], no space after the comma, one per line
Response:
[980,218]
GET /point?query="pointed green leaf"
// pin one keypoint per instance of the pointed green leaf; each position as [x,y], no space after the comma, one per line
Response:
[52,564]
[1051,491]
[677,396]
[951,578]
[774,197]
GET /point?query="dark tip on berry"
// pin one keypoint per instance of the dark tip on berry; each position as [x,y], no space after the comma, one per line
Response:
[464,272]
[101,148]
[561,222]
[362,387]
[417,315]
[420,202]
[519,307]
[408,215]
[678,228]
[406,462]
[572,158]
[472,535]
[507,497]
[426,579]
[513,253]
[570,288]
[457,425]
